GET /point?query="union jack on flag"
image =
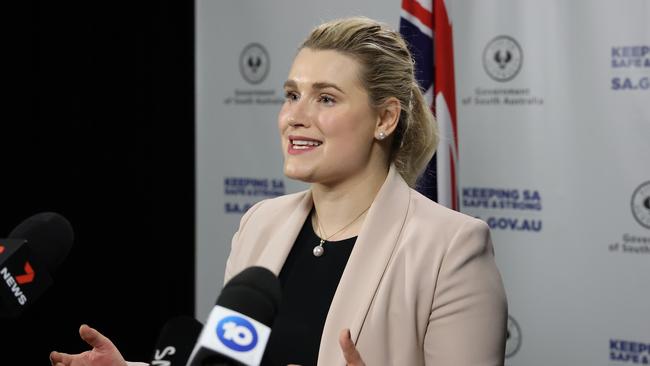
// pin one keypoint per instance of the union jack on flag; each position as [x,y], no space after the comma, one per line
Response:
[425,26]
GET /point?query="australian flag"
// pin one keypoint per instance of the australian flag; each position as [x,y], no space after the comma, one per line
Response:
[425,26]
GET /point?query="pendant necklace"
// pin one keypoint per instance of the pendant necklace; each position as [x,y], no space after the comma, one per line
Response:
[318,249]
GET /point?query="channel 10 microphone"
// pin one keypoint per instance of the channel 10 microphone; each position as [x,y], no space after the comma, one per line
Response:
[33,251]
[176,341]
[239,326]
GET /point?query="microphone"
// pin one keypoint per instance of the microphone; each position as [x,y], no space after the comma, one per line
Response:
[239,326]
[176,341]
[34,249]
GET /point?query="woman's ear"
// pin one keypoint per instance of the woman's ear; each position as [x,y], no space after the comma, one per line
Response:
[387,118]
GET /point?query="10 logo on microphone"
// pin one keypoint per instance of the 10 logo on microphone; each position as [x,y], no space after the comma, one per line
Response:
[237,333]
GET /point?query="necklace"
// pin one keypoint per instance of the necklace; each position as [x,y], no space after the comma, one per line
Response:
[319,250]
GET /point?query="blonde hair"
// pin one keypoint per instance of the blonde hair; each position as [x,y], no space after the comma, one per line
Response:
[387,71]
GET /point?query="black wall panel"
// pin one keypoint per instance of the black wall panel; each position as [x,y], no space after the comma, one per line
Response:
[99,126]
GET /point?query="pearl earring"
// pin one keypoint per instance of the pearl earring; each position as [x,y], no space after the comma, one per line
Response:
[382,135]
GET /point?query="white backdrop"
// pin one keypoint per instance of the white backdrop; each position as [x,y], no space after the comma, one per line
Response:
[553,154]
[561,134]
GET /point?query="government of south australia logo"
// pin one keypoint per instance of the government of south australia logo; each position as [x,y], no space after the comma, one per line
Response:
[237,333]
[254,63]
[641,204]
[502,58]
[513,337]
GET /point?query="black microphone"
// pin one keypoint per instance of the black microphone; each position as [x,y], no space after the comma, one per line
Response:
[239,326]
[33,251]
[176,341]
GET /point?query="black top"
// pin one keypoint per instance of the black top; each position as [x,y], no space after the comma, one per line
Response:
[308,286]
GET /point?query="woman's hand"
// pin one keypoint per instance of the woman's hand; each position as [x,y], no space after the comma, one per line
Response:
[350,353]
[104,353]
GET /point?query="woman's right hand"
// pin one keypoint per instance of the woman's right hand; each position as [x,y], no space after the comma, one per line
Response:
[104,352]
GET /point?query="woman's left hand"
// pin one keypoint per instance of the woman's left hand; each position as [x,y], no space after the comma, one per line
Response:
[350,353]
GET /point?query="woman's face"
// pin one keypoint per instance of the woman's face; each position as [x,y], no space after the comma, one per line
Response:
[326,123]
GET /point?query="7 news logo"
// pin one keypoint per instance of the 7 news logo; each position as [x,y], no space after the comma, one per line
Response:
[237,333]
[23,279]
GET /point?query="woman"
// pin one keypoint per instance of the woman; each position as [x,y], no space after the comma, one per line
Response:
[371,270]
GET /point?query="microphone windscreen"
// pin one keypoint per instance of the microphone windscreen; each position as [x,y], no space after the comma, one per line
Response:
[49,237]
[176,341]
[254,292]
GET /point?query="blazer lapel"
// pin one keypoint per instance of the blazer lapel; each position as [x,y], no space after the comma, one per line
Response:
[366,265]
[276,252]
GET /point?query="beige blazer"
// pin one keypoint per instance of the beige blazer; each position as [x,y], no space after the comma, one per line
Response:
[420,288]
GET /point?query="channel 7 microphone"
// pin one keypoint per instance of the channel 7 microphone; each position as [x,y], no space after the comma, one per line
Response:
[33,251]
[239,326]
[176,341]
